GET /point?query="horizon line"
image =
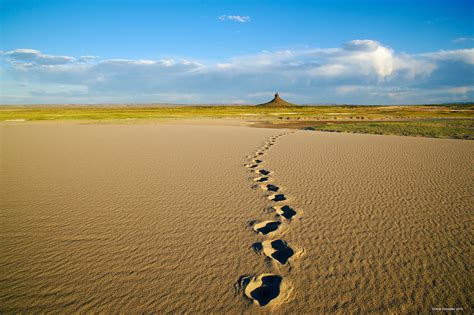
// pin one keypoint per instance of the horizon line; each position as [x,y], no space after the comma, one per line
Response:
[228,104]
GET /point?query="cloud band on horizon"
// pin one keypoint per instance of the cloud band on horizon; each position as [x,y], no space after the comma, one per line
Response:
[360,71]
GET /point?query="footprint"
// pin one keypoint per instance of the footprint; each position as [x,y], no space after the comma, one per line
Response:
[277,250]
[266,227]
[269,289]
[285,211]
[277,197]
[270,187]
[263,172]
[265,289]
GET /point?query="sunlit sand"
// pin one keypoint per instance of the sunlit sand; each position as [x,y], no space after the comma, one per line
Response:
[223,218]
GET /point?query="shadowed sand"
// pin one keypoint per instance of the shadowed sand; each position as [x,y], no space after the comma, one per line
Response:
[270,187]
[251,165]
[262,172]
[266,227]
[261,179]
[277,197]
[277,250]
[285,211]
[266,289]
[152,219]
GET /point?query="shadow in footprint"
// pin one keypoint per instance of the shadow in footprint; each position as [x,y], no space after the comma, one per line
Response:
[261,179]
[267,227]
[282,251]
[277,197]
[278,250]
[269,290]
[263,172]
[257,247]
[286,211]
[240,284]
[271,187]
[257,161]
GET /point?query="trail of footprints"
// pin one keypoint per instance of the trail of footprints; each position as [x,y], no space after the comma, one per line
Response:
[270,288]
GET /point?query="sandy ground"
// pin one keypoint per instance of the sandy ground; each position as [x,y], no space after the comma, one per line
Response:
[219,217]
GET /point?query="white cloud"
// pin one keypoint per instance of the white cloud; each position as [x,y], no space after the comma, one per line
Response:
[236,18]
[357,58]
[367,57]
[461,40]
[407,95]
[366,45]
[87,58]
[460,55]
[331,70]
[130,62]
[411,67]
[347,89]
[461,90]
[31,56]
[363,71]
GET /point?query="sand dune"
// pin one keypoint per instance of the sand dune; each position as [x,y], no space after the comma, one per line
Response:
[168,218]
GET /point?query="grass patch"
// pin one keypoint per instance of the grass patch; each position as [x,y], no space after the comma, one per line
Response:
[437,121]
[439,128]
[302,112]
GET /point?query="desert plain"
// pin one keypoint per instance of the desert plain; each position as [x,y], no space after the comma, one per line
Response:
[214,216]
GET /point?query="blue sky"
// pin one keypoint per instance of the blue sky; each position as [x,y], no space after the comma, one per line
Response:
[362,52]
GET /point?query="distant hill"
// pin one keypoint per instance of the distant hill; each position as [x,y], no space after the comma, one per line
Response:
[277,102]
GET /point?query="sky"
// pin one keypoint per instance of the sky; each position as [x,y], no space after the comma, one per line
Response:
[236,52]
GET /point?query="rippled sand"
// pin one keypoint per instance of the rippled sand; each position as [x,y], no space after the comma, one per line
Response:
[177,218]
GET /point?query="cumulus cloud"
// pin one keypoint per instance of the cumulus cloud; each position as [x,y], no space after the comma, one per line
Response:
[365,45]
[32,57]
[359,58]
[87,58]
[360,71]
[461,55]
[368,56]
[236,18]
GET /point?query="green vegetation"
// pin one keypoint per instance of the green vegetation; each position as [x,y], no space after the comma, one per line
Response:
[442,128]
[349,113]
[453,121]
